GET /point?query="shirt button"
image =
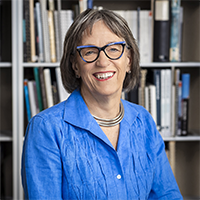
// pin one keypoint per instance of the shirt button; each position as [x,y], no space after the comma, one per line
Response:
[119,176]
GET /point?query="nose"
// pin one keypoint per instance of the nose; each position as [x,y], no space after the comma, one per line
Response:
[102,60]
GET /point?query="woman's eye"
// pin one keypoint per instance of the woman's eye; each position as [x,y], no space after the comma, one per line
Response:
[89,53]
[114,49]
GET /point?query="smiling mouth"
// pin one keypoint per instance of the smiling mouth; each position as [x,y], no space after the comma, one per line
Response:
[104,76]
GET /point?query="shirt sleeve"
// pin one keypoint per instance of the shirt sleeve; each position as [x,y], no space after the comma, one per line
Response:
[164,184]
[41,161]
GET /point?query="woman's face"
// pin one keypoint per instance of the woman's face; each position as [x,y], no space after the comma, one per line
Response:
[112,71]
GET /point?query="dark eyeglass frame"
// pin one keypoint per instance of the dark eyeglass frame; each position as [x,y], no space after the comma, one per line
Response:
[79,48]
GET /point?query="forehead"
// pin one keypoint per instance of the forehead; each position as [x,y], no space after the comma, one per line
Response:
[99,32]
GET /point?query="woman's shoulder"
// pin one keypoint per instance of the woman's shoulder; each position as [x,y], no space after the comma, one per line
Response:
[52,113]
[142,120]
[140,111]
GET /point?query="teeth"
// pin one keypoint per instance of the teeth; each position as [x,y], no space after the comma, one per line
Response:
[104,76]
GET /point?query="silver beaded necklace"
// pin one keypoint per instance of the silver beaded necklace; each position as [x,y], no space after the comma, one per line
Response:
[111,122]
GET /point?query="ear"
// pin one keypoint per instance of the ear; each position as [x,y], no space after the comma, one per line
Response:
[129,61]
[75,67]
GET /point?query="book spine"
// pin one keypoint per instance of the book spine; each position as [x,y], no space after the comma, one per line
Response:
[147,98]
[179,108]
[163,103]
[51,5]
[63,94]
[180,33]
[185,103]
[175,28]
[48,87]
[145,36]
[32,31]
[57,36]
[26,95]
[157,83]
[152,99]
[38,89]
[43,90]
[31,91]
[142,87]
[39,28]
[90,4]
[82,5]
[168,101]
[27,50]
[45,29]
[161,31]
[24,41]
[52,36]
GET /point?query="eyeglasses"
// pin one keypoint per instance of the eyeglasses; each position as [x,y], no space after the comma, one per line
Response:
[90,53]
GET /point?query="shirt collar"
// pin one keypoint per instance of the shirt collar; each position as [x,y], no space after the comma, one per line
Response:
[77,114]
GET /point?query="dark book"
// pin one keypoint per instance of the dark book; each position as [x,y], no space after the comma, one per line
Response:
[185,103]
[27,42]
[43,90]
[161,31]
[133,95]
[157,83]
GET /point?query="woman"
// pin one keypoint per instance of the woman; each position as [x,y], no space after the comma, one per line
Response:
[95,145]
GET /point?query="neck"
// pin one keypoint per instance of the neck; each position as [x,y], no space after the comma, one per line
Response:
[106,107]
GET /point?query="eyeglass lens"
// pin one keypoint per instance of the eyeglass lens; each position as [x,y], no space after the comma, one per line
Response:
[112,51]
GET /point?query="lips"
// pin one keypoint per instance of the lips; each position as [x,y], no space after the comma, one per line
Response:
[104,75]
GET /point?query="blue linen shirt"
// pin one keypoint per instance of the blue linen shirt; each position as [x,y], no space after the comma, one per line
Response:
[66,155]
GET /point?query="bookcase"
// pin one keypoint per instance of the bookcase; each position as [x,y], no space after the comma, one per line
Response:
[184,150]
[6,71]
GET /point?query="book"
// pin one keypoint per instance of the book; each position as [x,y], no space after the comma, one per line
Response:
[46,38]
[178,131]
[38,88]
[82,5]
[32,97]
[180,33]
[57,36]
[163,103]
[48,87]
[66,19]
[157,83]
[42,85]
[141,89]
[90,4]
[161,31]
[147,98]
[32,31]
[145,31]
[173,111]
[185,103]
[168,90]
[52,36]
[133,95]
[27,37]
[36,36]
[175,29]
[152,102]
[51,5]
[40,33]
[27,102]
[63,94]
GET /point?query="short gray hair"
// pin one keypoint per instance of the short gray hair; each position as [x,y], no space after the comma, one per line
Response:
[85,21]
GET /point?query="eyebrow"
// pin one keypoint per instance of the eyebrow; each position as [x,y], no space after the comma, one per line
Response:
[92,45]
